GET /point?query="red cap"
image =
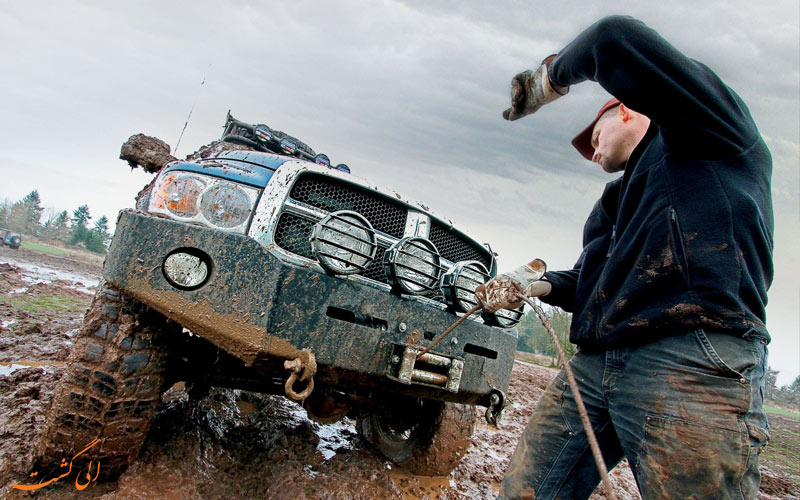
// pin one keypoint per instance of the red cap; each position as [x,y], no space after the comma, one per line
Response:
[583,141]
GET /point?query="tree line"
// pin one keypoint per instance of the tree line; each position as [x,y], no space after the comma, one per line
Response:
[27,216]
[534,338]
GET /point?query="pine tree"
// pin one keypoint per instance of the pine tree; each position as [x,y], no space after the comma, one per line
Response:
[5,213]
[101,227]
[80,218]
[26,213]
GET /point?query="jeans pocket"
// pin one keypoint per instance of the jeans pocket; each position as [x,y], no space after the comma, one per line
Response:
[690,459]
[731,356]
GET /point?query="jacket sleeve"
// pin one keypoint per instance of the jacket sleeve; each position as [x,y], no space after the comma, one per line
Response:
[640,68]
[564,285]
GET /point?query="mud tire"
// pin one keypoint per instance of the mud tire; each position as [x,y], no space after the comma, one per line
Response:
[433,446]
[112,385]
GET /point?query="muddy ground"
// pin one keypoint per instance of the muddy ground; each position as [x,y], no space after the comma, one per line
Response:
[235,444]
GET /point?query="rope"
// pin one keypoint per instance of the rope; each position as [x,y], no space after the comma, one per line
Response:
[460,320]
[587,426]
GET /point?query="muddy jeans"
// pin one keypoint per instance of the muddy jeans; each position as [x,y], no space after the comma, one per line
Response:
[684,410]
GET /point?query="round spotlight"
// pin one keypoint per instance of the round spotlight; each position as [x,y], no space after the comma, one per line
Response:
[413,264]
[459,283]
[263,133]
[322,159]
[344,168]
[288,146]
[504,318]
[186,269]
[344,242]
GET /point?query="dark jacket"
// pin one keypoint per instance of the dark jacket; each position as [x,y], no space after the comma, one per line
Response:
[683,240]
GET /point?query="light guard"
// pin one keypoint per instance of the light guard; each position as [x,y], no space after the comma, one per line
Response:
[459,283]
[504,318]
[414,265]
[344,242]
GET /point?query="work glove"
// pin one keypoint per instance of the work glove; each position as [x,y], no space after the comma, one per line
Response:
[504,290]
[530,90]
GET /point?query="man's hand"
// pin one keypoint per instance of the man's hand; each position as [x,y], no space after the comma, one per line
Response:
[504,290]
[530,90]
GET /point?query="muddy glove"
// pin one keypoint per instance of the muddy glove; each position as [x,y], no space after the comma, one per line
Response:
[504,290]
[530,90]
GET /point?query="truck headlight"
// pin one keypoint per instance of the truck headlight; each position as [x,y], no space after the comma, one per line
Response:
[344,242]
[214,202]
[413,264]
[459,283]
[180,194]
[225,205]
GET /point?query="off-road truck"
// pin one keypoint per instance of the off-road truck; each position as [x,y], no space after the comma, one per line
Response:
[256,264]
[10,238]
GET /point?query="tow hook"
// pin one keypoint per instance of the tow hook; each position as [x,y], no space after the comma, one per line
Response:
[303,369]
[494,412]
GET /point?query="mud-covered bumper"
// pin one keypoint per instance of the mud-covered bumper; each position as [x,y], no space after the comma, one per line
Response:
[256,307]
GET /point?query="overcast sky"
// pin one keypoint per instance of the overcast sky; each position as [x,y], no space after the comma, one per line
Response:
[409,94]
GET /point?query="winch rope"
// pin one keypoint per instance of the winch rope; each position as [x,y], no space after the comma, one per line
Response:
[587,425]
[444,334]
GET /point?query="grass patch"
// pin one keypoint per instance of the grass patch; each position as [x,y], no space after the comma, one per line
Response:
[536,359]
[49,303]
[783,448]
[39,247]
[782,412]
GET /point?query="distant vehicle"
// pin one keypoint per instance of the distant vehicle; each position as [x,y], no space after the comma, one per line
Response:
[11,239]
[297,278]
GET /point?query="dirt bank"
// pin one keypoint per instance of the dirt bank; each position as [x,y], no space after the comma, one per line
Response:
[235,444]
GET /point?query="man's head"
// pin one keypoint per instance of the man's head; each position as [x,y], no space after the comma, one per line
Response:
[611,138]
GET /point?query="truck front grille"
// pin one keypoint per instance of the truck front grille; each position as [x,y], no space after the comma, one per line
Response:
[454,247]
[330,194]
[292,234]
[385,214]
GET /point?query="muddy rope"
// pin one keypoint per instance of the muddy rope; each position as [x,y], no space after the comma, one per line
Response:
[587,425]
[444,334]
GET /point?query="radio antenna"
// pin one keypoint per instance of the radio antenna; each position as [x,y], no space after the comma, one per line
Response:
[186,124]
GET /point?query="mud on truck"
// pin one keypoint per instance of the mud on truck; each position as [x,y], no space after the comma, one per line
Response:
[255,264]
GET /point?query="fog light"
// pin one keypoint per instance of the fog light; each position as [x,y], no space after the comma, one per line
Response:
[185,270]
[344,242]
[459,283]
[414,265]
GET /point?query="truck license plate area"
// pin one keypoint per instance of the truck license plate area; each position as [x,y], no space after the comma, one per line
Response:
[430,369]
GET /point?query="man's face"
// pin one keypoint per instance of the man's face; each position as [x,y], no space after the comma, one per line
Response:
[613,141]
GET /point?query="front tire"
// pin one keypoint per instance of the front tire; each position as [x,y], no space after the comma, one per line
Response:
[112,385]
[427,440]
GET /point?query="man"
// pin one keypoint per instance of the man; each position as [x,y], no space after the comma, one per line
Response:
[668,295]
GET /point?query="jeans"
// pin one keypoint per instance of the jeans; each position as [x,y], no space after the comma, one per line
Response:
[686,411]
